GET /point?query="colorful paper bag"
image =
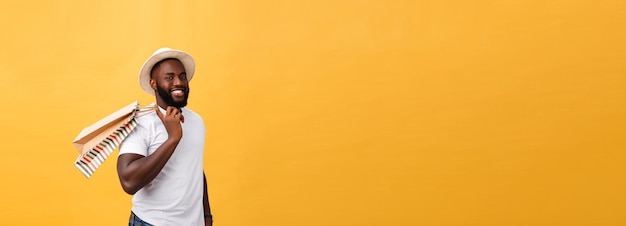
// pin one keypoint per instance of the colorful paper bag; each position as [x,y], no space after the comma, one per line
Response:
[96,142]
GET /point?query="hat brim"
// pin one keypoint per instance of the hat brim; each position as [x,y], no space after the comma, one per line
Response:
[159,55]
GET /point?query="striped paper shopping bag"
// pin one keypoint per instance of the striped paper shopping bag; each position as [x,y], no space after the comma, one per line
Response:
[96,142]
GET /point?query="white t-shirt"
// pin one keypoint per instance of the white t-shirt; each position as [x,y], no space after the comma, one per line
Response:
[175,196]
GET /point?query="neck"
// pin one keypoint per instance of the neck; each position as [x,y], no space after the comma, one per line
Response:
[161,103]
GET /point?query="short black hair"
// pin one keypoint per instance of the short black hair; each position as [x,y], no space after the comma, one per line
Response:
[159,64]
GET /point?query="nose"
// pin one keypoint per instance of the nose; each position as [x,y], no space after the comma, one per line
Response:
[177,81]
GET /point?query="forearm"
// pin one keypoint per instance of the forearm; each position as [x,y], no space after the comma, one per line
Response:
[136,173]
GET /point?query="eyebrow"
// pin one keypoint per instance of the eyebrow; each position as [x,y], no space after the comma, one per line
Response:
[172,73]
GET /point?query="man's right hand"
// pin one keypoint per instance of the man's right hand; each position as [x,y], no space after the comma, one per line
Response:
[135,170]
[171,120]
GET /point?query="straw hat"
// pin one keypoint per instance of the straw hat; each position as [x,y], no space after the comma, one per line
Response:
[161,54]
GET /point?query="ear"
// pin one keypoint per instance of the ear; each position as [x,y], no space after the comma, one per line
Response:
[153,84]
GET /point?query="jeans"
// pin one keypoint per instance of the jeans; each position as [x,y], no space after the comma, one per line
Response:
[135,221]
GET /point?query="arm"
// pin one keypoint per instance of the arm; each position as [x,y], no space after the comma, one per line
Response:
[135,171]
[208,217]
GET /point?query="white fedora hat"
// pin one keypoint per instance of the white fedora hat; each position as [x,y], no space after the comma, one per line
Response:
[159,55]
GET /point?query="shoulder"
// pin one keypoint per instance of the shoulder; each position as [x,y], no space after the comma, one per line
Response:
[149,120]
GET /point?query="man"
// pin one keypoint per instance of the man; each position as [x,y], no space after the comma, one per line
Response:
[161,160]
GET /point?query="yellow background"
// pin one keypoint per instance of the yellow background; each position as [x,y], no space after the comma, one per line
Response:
[414,112]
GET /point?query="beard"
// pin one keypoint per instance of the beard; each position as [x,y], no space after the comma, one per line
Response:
[166,96]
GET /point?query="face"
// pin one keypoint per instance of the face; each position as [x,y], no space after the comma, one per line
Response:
[170,82]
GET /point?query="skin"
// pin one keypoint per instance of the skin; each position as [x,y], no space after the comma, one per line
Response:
[136,171]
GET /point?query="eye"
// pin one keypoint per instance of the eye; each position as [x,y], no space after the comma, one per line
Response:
[183,77]
[169,77]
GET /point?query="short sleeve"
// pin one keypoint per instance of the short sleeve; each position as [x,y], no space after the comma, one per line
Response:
[136,142]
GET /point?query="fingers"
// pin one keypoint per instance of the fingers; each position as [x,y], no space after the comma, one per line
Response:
[171,112]
[176,113]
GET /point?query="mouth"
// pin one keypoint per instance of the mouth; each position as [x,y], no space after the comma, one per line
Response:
[178,92]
